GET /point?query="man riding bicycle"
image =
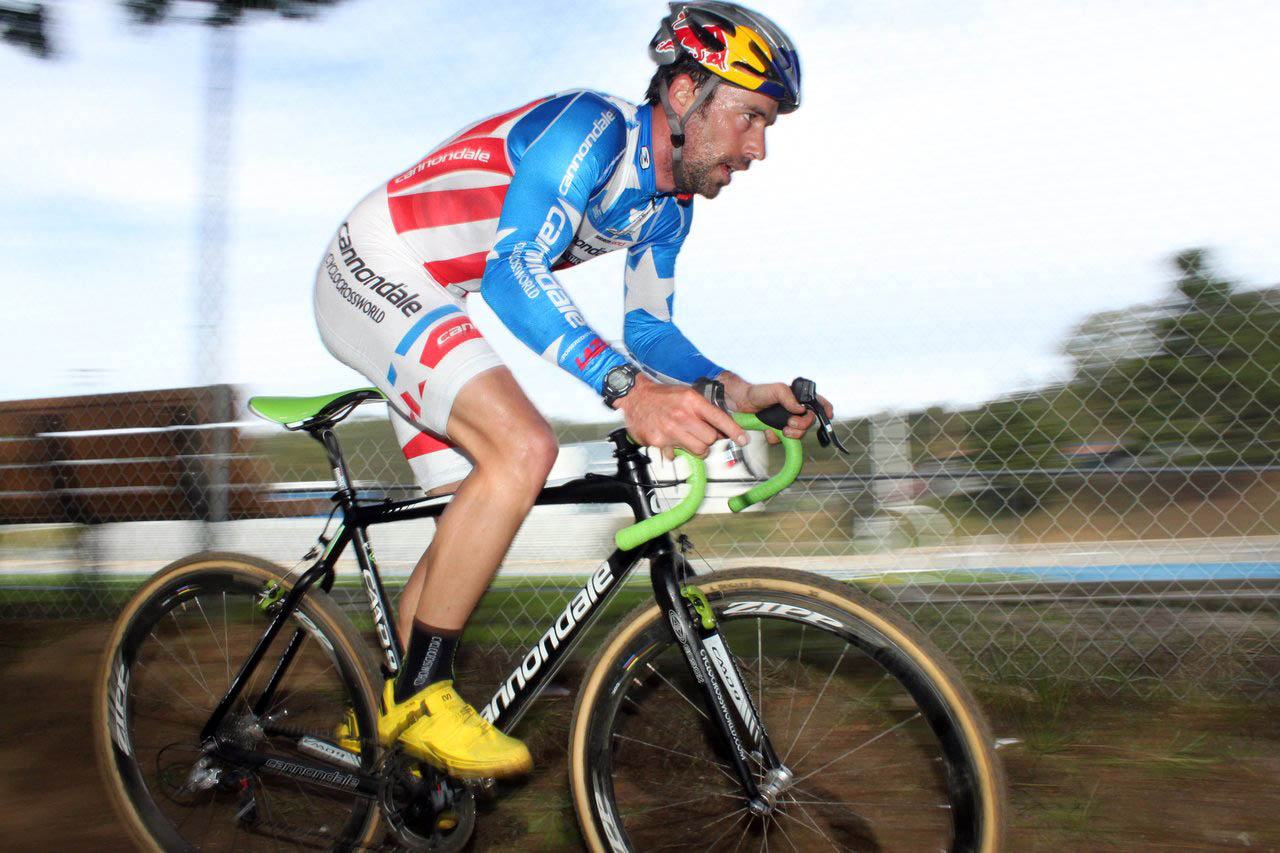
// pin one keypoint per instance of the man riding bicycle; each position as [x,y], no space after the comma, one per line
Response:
[496,209]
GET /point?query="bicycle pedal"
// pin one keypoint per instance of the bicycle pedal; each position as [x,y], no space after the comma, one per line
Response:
[484,788]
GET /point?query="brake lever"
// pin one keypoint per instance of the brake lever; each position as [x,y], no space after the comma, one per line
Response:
[806,391]
[827,432]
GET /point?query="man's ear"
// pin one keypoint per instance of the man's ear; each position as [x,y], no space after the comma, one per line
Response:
[682,92]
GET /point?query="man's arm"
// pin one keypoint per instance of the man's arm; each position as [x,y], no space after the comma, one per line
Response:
[648,331]
[542,210]
[540,214]
[655,341]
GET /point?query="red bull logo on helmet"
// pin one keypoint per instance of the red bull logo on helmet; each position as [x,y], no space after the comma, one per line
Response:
[684,32]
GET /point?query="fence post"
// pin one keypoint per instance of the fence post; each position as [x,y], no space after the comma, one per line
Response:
[891,469]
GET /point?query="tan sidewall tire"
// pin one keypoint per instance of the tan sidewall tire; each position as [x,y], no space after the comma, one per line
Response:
[331,620]
[860,607]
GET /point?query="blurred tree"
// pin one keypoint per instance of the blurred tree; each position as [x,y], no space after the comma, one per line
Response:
[936,432]
[222,12]
[1214,385]
[1018,433]
[1108,339]
[26,25]
[1197,376]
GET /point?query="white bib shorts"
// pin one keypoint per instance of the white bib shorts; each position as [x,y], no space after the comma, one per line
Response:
[380,313]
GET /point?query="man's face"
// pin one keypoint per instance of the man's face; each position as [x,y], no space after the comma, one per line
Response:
[725,137]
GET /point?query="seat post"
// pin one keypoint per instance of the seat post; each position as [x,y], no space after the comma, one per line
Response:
[346,492]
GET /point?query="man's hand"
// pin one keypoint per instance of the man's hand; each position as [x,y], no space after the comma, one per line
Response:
[742,396]
[670,416]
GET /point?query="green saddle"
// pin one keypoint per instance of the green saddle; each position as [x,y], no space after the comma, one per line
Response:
[306,412]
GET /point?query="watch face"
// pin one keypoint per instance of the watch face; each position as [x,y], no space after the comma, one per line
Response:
[619,380]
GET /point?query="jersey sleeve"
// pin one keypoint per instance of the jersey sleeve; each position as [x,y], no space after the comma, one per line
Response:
[553,180]
[648,331]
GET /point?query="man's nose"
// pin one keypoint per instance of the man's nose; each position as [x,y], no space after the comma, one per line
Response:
[755,148]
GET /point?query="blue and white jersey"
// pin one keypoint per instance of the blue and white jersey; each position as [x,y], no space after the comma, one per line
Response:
[506,202]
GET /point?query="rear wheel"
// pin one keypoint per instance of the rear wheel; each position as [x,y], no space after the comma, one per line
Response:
[172,654]
[886,748]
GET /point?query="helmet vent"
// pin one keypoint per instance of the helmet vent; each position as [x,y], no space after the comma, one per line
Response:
[705,36]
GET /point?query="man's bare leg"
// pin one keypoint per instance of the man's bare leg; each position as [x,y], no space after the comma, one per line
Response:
[513,448]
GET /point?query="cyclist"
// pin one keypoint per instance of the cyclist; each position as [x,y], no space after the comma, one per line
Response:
[496,209]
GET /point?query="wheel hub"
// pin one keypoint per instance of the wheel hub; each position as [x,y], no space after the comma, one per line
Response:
[775,783]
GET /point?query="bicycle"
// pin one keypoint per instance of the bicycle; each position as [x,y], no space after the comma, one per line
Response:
[734,709]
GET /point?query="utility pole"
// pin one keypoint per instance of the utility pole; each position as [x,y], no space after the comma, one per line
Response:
[211,285]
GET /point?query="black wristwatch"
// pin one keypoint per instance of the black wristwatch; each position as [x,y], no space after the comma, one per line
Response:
[618,383]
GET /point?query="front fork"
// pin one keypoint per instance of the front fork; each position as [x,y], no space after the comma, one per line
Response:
[725,694]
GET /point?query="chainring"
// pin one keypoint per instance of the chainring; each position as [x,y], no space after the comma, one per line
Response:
[425,809]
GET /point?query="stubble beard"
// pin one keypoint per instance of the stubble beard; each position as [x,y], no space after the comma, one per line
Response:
[701,176]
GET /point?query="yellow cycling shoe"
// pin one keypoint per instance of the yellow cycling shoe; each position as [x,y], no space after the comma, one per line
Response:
[346,734]
[451,735]
[395,718]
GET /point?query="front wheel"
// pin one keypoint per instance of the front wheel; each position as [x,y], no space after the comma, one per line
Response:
[887,749]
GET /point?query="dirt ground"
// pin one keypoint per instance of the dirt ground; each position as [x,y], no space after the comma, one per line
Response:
[1085,772]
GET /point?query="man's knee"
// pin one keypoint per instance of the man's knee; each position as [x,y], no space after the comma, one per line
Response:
[503,433]
[526,456]
[538,451]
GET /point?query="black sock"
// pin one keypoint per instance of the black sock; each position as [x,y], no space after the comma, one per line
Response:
[429,659]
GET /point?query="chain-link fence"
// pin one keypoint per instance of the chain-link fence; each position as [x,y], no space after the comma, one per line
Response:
[1121,528]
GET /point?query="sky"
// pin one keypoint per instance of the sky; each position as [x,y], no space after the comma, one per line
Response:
[962,186]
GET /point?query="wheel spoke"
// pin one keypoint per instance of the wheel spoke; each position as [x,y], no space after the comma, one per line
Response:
[182,635]
[835,695]
[723,768]
[812,824]
[681,693]
[666,805]
[209,625]
[816,702]
[785,837]
[729,829]
[795,681]
[759,670]
[195,679]
[838,724]
[891,805]
[865,743]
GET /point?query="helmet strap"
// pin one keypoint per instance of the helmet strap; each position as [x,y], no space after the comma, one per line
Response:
[676,125]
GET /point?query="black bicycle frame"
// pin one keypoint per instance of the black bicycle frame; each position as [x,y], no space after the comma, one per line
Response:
[711,666]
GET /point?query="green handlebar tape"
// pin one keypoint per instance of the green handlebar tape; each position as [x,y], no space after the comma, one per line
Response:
[794,458]
[642,531]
